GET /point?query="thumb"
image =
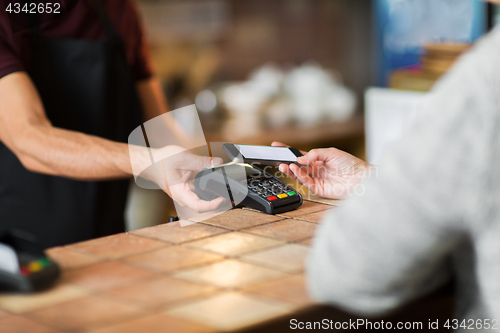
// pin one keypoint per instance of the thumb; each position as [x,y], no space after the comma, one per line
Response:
[215,161]
[196,163]
[315,155]
[278,144]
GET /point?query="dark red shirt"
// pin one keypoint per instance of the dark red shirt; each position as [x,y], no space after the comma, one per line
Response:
[81,22]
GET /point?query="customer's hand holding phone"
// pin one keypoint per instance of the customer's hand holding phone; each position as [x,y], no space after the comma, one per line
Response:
[329,173]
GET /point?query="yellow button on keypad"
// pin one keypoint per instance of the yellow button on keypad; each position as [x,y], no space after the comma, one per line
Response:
[35,266]
[281,196]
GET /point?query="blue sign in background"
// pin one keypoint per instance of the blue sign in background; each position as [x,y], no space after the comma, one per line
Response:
[404,26]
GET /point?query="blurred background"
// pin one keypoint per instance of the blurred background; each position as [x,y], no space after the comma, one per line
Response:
[348,74]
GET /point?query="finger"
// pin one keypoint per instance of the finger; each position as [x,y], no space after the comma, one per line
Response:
[215,161]
[286,170]
[201,206]
[278,144]
[189,199]
[169,152]
[315,155]
[309,170]
[303,177]
[195,162]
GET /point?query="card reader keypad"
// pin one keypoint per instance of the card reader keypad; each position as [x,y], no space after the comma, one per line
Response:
[35,266]
[270,189]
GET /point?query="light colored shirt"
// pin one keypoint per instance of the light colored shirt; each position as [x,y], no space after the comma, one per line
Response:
[432,211]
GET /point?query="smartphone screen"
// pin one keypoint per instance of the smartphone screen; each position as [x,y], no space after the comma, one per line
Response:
[267,153]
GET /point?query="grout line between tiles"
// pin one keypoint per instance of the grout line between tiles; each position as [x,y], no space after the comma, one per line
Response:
[155,239]
[112,322]
[168,307]
[191,240]
[303,220]
[294,306]
[239,288]
[43,323]
[90,293]
[159,308]
[291,271]
[110,258]
[175,270]
[264,297]
[237,256]
[216,225]
[297,216]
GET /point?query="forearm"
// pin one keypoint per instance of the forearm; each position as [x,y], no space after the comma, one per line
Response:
[43,148]
[373,254]
[55,151]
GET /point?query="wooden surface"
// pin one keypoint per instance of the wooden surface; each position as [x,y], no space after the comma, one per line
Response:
[231,272]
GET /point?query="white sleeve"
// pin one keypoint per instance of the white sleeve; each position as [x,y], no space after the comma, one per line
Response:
[392,243]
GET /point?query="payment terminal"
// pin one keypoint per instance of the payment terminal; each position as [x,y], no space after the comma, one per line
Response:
[247,186]
[23,265]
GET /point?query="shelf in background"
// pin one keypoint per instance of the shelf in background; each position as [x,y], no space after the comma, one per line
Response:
[297,136]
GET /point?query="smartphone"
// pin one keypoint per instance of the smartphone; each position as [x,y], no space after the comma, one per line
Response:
[261,154]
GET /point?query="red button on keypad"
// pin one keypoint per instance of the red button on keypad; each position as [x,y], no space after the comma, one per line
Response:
[25,271]
[272,198]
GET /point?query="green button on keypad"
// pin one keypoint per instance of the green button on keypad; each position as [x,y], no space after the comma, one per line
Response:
[45,262]
[291,193]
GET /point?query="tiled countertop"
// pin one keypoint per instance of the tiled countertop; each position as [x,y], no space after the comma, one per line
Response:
[233,271]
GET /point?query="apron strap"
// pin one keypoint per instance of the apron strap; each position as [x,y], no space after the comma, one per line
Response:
[111,32]
[105,20]
[34,21]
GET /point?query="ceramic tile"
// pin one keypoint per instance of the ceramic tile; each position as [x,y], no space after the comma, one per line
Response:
[68,259]
[316,198]
[314,217]
[228,274]
[288,258]
[117,246]
[171,259]
[174,233]
[230,311]
[234,243]
[158,292]
[107,275]
[186,223]
[288,230]
[84,313]
[290,289]
[157,323]
[19,303]
[18,324]
[201,218]
[237,219]
[306,208]
[252,210]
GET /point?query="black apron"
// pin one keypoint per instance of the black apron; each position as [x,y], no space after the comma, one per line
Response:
[85,86]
